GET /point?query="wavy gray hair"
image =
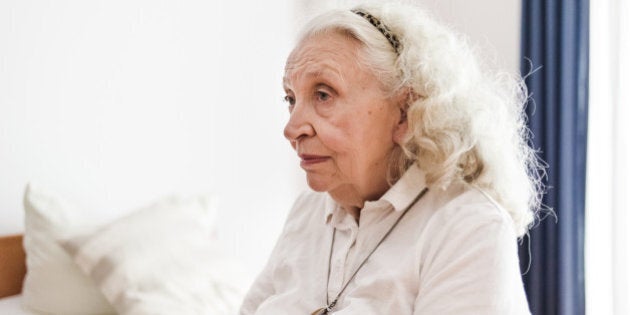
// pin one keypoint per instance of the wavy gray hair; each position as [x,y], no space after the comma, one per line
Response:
[465,122]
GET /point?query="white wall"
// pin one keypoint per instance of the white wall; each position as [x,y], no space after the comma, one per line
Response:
[493,26]
[607,239]
[115,103]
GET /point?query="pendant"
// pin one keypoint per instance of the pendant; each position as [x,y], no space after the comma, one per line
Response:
[320,311]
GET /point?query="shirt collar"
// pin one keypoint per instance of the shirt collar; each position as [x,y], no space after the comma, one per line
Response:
[406,189]
[330,207]
[400,195]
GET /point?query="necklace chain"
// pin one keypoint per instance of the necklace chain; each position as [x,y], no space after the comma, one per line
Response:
[330,305]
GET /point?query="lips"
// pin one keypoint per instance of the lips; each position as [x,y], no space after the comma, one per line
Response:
[312,159]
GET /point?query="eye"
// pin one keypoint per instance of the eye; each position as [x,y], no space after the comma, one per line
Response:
[289,99]
[322,96]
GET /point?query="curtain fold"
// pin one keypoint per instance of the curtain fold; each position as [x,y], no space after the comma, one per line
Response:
[555,42]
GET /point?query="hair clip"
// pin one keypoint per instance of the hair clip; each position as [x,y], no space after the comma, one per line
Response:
[391,38]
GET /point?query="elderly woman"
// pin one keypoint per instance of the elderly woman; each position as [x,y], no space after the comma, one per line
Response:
[421,172]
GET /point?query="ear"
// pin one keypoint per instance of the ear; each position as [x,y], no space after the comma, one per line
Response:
[400,130]
[406,98]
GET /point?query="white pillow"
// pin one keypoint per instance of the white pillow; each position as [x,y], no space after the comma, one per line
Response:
[54,284]
[162,259]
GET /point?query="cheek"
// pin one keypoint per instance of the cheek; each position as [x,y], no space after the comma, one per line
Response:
[358,135]
[374,136]
[339,136]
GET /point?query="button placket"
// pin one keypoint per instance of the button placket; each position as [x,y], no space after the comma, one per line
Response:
[369,232]
[344,244]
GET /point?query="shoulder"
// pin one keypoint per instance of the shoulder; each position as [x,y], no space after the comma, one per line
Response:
[468,250]
[468,208]
[466,217]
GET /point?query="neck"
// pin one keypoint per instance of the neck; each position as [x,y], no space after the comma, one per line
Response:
[352,200]
[349,200]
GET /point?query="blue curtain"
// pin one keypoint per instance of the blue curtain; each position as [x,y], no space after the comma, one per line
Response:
[555,40]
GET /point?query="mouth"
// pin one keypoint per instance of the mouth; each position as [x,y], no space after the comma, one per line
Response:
[311,159]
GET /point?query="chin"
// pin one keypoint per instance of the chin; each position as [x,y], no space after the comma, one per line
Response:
[317,184]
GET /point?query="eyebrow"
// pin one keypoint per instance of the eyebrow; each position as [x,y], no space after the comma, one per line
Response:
[310,73]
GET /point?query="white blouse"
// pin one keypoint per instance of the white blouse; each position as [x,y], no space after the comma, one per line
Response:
[454,252]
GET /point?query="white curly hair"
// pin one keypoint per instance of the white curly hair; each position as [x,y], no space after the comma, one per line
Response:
[465,121]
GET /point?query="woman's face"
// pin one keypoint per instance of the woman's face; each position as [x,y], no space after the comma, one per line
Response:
[343,124]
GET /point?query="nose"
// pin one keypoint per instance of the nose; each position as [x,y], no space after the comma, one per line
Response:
[299,125]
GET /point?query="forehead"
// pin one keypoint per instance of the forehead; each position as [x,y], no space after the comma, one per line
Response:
[329,54]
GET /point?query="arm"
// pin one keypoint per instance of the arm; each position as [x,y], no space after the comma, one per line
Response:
[263,287]
[259,292]
[471,267]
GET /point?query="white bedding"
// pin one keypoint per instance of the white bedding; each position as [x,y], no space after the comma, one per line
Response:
[163,258]
[12,305]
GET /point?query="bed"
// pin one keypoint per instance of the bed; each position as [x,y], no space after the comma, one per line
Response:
[12,305]
[12,272]
[163,258]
